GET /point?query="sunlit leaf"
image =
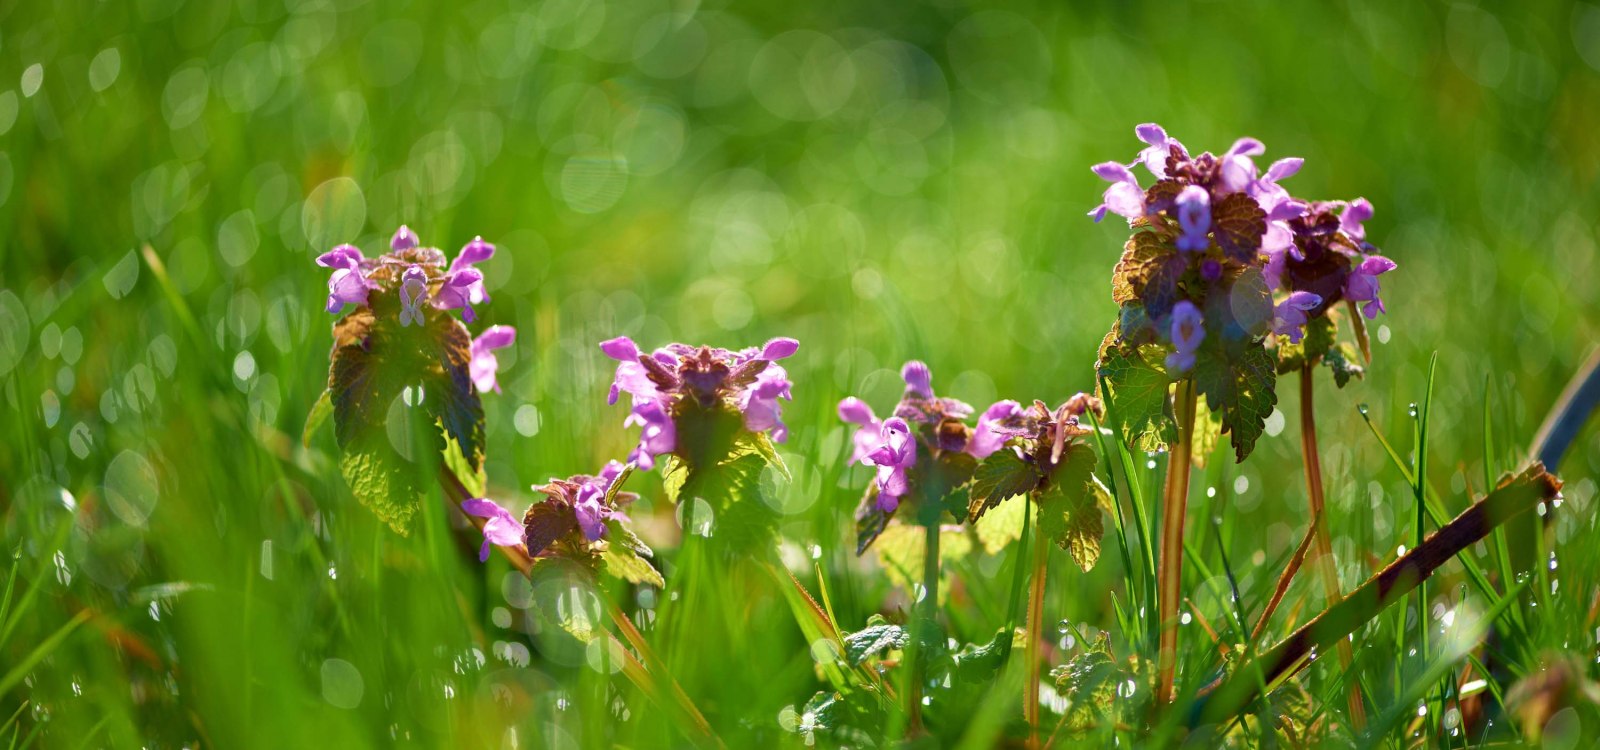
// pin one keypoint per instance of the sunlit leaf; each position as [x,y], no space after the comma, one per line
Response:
[1001,476]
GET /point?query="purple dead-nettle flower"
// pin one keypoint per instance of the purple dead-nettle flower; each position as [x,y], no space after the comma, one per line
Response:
[667,383]
[1187,331]
[896,453]
[1330,257]
[501,529]
[1362,284]
[1158,146]
[1289,316]
[403,239]
[484,365]
[462,286]
[868,435]
[577,511]
[989,435]
[1124,198]
[1237,169]
[348,284]
[413,292]
[417,274]
[1047,430]
[1194,218]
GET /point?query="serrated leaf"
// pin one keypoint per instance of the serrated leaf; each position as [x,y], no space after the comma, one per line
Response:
[1069,508]
[1002,525]
[1138,397]
[320,411]
[1001,476]
[1239,224]
[390,449]
[1342,360]
[545,522]
[1141,255]
[630,566]
[1089,683]
[721,463]
[1240,391]
[869,641]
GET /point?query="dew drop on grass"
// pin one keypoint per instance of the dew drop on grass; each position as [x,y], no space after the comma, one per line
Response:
[1186,618]
[1362,408]
[1064,627]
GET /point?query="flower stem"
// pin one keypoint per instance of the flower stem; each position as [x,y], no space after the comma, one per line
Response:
[1326,566]
[1174,501]
[1035,630]
[927,613]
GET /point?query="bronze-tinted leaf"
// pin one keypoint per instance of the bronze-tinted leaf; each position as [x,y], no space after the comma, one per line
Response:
[1239,224]
[545,523]
[1000,476]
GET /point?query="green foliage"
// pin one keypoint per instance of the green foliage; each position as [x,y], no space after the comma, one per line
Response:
[390,452]
[628,558]
[721,463]
[1136,389]
[1069,508]
[1240,391]
[1089,682]
[1001,476]
[878,636]
[1321,345]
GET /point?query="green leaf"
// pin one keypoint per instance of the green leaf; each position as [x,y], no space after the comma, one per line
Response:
[876,637]
[900,550]
[1001,526]
[391,451]
[870,520]
[627,564]
[1138,396]
[472,479]
[1240,391]
[1089,683]
[1001,476]
[320,411]
[1069,508]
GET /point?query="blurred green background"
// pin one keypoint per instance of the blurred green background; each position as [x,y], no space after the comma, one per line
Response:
[880,181]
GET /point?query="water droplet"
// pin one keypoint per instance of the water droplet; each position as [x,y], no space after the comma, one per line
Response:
[1064,627]
[1412,410]
[1362,408]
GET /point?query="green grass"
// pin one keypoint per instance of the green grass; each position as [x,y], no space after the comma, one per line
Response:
[180,571]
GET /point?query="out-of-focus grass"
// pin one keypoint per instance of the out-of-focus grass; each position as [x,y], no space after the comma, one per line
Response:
[880,181]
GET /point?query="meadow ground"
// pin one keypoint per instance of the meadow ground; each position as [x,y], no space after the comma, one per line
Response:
[881,182]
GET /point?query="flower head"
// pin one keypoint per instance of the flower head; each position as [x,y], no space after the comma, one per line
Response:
[1158,146]
[501,529]
[483,364]
[582,503]
[1187,330]
[677,378]
[867,435]
[418,274]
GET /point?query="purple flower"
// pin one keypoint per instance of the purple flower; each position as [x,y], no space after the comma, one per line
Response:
[1267,191]
[502,528]
[483,364]
[413,292]
[403,239]
[463,285]
[1289,316]
[348,284]
[759,402]
[590,505]
[1154,156]
[868,435]
[631,376]
[1187,332]
[659,436]
[1194,218]
[1124,198]
[1238,170]
[1351,219]
[897,452]
[986,439]
[779,348]
[1362,283]
[919,379]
